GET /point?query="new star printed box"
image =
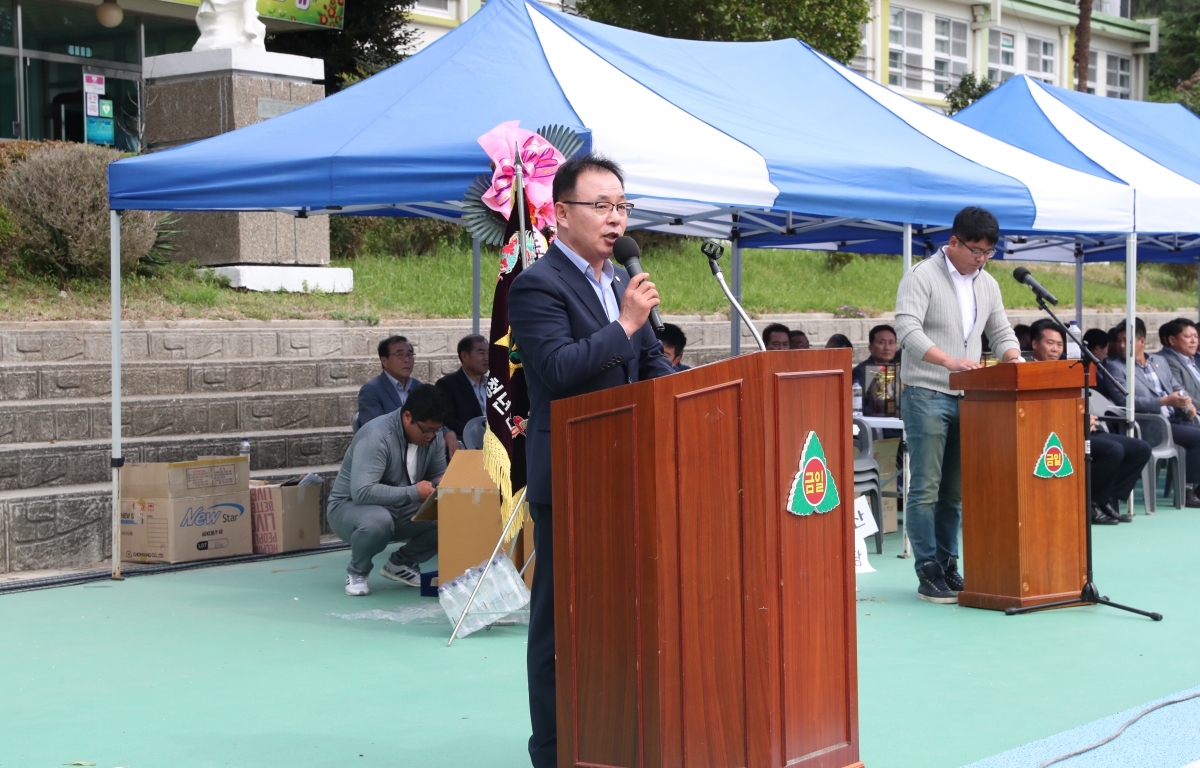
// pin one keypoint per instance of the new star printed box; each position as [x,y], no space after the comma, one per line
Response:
[182,511]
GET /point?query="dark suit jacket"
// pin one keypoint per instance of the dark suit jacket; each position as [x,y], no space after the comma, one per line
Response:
[457,388]
[1144,399]
[568,347]
[1182,373]
[379,397]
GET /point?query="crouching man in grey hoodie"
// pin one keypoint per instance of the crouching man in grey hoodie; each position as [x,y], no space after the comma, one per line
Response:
[390,468]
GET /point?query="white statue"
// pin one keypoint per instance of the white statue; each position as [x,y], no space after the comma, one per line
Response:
[229,24]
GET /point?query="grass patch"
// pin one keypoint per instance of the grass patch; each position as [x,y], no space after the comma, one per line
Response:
[390,288]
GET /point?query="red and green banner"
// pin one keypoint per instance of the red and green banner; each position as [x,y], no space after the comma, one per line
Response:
[813,488]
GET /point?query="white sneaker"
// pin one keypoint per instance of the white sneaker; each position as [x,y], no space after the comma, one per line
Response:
[356,586]
[405,574]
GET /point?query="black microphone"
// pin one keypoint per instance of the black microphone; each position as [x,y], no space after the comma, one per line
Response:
[627,252]
[1021,275]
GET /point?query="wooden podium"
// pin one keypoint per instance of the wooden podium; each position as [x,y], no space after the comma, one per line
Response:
[1024,528]
[698,622]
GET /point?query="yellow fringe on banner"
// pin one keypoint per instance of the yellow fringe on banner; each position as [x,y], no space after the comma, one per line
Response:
[498,465]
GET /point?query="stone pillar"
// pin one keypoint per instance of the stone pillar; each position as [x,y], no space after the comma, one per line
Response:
[199,94]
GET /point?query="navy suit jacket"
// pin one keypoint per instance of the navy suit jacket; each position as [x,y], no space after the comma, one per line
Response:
[379,397]
[568,347]
[461,393]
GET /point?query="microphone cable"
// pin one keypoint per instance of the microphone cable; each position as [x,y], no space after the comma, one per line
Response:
[1121,730]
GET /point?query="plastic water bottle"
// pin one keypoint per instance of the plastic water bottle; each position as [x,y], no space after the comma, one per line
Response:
[1073,351]
[856,398]
[245,450]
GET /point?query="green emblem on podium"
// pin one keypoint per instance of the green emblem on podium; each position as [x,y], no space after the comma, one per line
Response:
[1053,462]
[813,488]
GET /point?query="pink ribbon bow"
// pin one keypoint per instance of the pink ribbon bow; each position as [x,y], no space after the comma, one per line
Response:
[539,162]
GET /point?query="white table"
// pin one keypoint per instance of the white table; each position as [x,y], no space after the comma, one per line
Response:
[892,422]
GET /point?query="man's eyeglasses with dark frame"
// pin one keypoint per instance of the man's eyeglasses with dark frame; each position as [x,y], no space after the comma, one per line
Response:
[604,206]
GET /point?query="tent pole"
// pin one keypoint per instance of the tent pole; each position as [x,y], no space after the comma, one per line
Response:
[475,285]
[735,323]
[1079,286]
[1198,288]
[114,259]
[907,248]
[1130,331]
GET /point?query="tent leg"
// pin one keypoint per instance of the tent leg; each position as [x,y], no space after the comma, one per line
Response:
[735,323]
[114,223]
[1079,288]
[475,269]
[907,248]
[1130,332]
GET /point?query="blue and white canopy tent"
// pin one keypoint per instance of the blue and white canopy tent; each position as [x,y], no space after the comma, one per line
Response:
[727,140]
[1151,147]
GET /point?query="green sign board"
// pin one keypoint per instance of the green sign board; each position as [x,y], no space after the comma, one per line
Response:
[106,108]
[319,13]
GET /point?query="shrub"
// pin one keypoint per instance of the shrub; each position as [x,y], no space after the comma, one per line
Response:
[57,196]
[413,237]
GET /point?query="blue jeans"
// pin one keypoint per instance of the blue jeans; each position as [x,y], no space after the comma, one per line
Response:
[933,516]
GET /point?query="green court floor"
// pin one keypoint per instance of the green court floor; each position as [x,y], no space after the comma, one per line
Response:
[246,666]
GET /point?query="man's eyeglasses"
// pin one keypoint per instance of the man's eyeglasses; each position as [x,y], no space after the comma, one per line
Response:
[605,207]
[401,355]
[980,254]
[428,432]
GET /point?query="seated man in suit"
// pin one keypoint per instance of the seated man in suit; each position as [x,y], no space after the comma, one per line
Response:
[1157,391]
[466,388]
[881,350]
[580,325]
[1117,460]
[388,391]
[797,340]
[1180,339]
[390,469]
[777,336]
[673,341]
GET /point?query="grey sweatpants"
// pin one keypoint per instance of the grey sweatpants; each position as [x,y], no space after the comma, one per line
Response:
[369,529]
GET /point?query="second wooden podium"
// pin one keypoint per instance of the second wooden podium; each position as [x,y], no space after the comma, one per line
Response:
[703,567]
[1024,528]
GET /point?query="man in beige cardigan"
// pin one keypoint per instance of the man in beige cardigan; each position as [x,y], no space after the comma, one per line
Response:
[943,306]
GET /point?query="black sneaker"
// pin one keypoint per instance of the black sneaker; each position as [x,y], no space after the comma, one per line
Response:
[954,579]
[933,586]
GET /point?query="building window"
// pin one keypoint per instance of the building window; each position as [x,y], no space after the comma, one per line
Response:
[438,6]
[1039,59]
[950,53]
[1002,55]
[905,57]
[1120,69]
[1093,65]
[861,63]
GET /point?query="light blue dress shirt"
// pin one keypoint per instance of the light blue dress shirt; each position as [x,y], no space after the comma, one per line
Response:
[403,390]
[602,286]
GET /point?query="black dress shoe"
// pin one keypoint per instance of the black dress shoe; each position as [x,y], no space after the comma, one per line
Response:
[1191,499]
[1100,517]
[1112,510]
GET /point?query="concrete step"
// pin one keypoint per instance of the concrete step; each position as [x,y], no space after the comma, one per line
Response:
[73,380]
[40,421]
[79,462]
[71,526]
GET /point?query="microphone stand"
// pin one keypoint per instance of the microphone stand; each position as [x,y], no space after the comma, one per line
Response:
[1090,594]
[713,251]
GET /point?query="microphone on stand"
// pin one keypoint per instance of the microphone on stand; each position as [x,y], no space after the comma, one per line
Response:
[712,251]
[1021,275]
[628,254]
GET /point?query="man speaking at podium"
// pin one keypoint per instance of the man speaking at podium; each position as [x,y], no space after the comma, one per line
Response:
[580,325]
[943,305]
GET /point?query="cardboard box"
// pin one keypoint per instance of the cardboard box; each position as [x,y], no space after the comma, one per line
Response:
[885,452]
[468,515]
[287,516]
[186,510]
